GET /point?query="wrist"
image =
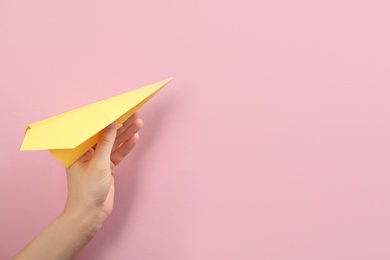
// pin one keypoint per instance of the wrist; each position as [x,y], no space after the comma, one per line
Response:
[86,222]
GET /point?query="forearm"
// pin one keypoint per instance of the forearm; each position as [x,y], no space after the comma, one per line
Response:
[64,237]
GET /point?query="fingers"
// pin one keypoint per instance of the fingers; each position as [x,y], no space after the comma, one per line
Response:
[116,144]
[105,143]
[128,133]
[124,149]
[127,123]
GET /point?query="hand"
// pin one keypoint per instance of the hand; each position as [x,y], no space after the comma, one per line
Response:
[90,195]
[91,178]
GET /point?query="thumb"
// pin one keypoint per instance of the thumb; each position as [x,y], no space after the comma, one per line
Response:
[105,143]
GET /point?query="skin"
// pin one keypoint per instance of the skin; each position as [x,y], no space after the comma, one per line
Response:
[90,195]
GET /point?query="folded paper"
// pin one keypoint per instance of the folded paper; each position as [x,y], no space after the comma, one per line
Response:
[68,136]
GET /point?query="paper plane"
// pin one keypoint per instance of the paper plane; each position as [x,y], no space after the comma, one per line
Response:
[69,135]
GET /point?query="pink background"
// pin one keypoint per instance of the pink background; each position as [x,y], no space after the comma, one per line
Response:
[272,142]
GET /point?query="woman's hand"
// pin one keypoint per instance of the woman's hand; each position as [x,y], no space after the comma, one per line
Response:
[91,178]
[90,195]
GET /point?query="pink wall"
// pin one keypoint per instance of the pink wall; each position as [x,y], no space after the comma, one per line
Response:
[272,142]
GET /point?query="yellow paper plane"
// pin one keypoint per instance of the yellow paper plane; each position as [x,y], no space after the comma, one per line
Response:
[69,135]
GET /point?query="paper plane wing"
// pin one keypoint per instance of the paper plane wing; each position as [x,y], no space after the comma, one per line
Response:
[69,135]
